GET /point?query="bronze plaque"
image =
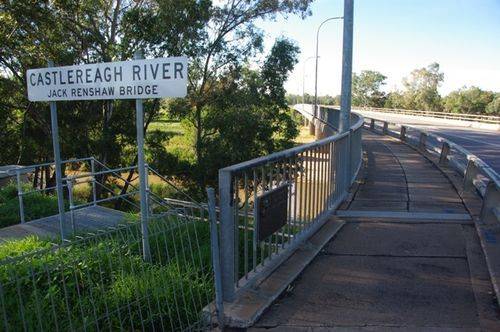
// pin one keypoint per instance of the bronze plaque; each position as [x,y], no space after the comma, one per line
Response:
[272,210]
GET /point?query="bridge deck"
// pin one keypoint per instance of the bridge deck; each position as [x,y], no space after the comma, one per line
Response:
[88,219]
[412,262]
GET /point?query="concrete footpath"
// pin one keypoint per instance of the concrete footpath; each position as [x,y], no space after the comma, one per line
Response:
[408,257]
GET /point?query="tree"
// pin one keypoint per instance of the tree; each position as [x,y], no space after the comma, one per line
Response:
[366,89]
[248,115]
[421,88]
[73,32]
[230,39]
[493,108]
[218,38]
[395,99]
[468,100]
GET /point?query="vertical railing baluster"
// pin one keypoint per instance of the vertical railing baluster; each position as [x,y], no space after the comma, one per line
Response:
[236,217]
[317,178]
[296,192]
[245,234]
[254,238]
[308,188]
[262,242]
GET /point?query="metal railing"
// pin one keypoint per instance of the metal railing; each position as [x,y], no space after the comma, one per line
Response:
[317,177]
[492,119]
[101,280]
[97,177]
[94,170]
[477,175]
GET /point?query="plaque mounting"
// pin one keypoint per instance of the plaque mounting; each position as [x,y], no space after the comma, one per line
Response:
[271,212]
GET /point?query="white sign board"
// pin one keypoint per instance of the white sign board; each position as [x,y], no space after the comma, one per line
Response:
[137,79]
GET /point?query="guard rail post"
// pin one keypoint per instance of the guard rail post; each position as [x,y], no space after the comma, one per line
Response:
[422,141]
[402,134]
[94,190]
[385,130]
[69,182]
[490,211]
[372,124]
[471,173]
[445,151]
[20,196]
[227,235]
[214,240]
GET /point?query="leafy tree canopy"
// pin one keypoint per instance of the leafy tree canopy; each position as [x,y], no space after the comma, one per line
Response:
[468,100]
[366,88]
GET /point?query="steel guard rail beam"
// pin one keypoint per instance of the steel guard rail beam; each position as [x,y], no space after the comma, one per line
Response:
[316,178]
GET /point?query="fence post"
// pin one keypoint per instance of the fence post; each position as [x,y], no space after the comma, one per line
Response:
[491,204]
[402,134]
[92,170]
[372,124]
[386,128]
[69,182]
[214,240]
[423,141]
[351,156]
[20,197]
[470,175]
[445,150]
[227,235]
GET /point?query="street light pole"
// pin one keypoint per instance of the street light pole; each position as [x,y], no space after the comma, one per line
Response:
[311,123]
[317,56]
[345,99]
[304,79]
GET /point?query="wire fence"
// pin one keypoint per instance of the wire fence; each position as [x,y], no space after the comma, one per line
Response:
[101,282]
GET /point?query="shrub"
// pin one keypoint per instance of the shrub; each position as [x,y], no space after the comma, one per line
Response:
[36,205]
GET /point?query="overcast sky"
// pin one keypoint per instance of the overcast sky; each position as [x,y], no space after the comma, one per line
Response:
[395,37]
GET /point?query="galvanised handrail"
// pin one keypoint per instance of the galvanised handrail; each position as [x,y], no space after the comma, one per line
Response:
[477,175]
[493,119]
[318,176]
[71,181]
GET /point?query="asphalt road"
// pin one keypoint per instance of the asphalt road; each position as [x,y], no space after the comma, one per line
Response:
[483,143]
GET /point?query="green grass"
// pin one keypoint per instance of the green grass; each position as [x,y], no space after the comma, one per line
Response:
[103,282]
[170,126]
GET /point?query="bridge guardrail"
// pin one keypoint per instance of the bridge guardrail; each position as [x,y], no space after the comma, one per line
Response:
[492,119]
[477,175]
[315,177]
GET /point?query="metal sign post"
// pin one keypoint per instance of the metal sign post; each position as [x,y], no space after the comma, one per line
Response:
[57,163]
[139,120]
